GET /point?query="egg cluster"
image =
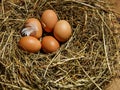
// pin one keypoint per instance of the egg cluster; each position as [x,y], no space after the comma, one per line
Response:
[33,31]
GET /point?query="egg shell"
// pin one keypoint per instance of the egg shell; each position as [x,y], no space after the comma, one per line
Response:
[30,44]
[48,20]
[62,31]
[33,28]
[49,44]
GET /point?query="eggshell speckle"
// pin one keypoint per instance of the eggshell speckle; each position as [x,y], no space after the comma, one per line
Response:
[49,44]
[48,20]
[62,31]
[33,28]
[30,44]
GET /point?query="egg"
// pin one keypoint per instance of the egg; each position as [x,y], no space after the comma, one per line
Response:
[32,28]
[62,31]
[30,44]
[49,44]
[48,20]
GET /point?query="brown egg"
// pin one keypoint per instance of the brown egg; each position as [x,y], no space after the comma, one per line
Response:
[49,44]
[30,44]
[32,28]
[62,31]
[48,20]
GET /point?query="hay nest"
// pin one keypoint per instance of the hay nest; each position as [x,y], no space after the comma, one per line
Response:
[85,62]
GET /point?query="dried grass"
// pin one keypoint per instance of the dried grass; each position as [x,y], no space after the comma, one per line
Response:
[85,62]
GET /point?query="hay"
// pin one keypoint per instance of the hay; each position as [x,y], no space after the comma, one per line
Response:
[85,62]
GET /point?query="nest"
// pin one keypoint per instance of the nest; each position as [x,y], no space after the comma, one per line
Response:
[85,62]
